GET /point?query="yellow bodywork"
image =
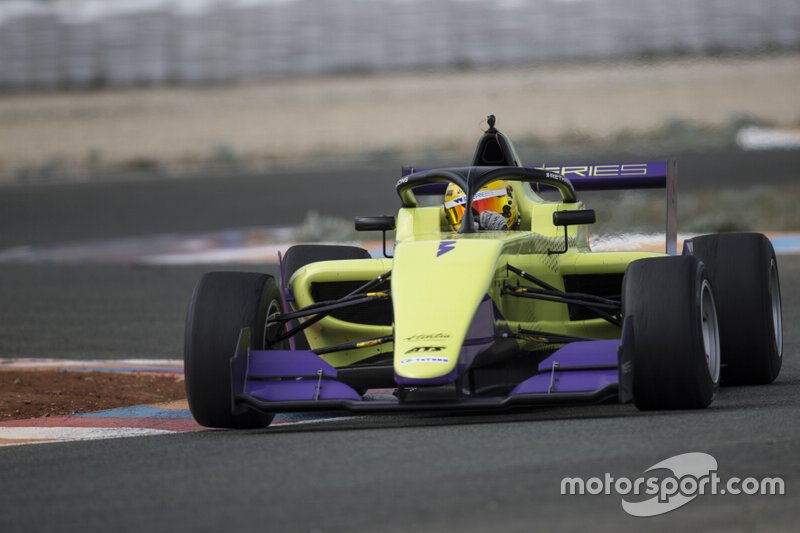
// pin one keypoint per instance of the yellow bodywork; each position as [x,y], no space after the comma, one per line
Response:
[439,279]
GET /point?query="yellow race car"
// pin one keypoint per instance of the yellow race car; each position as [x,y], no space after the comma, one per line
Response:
[492,299]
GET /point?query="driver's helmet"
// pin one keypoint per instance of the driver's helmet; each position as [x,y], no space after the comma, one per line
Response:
[497,196]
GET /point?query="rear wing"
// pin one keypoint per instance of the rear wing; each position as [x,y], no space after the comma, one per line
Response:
[621,176]
[612,176]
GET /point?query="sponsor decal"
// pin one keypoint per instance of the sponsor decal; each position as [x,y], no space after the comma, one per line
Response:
[424,359]
[617,169]
[444,247]
[458,200]
[426,349]
[428,337]
[401,181]
[683,477]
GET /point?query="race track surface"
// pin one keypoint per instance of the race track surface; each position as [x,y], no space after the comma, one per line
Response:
[474,472]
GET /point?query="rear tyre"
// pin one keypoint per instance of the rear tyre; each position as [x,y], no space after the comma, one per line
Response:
[222,304]
[744,273]
[676,350]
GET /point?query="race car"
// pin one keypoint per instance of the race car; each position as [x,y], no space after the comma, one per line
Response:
[491,299]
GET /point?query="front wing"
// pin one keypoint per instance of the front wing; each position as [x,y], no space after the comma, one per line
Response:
[296,380]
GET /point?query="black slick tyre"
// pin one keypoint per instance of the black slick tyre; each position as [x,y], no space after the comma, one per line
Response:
[676,352]
[744,272]
[222,304]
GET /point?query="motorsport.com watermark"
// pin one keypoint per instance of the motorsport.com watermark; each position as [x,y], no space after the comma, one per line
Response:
[693,474]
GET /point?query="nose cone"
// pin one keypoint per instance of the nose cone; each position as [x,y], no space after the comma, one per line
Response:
[437,287]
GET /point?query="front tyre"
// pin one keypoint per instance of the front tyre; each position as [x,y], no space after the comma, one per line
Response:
[744,272]
[222,304]
[676,346]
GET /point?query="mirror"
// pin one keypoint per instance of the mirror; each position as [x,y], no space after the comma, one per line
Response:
[382,223]
[377,223]
[574,217]
[571,218]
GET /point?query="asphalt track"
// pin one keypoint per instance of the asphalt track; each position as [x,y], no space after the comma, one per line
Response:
[473,472]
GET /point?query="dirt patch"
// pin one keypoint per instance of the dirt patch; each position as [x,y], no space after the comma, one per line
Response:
[36,393]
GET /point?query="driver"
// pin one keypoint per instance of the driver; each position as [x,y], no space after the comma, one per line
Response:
[493,206]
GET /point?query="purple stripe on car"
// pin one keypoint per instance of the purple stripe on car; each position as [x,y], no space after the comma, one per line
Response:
[585,176]
[566,382]
[287,363]
[299,390]
[610,176]
[583,354]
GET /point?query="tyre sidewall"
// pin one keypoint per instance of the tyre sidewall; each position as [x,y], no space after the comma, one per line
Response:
[663,297]
[222,305]
[739,266]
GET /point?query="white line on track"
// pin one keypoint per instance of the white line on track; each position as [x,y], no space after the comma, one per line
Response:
[38,435]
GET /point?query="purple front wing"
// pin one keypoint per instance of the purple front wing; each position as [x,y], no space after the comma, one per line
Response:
[577,367]
[292,391]
[285,375]
[295,380]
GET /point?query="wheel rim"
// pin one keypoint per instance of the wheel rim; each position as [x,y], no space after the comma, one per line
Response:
[272,331]
[710,329]
[775,301]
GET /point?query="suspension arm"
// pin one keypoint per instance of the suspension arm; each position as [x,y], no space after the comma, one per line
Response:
[354,345]
[320,310]
[554,294]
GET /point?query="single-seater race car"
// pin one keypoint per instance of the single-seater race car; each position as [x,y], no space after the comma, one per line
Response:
[487,308]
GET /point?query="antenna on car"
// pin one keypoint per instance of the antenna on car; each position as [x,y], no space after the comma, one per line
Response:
[491,119]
